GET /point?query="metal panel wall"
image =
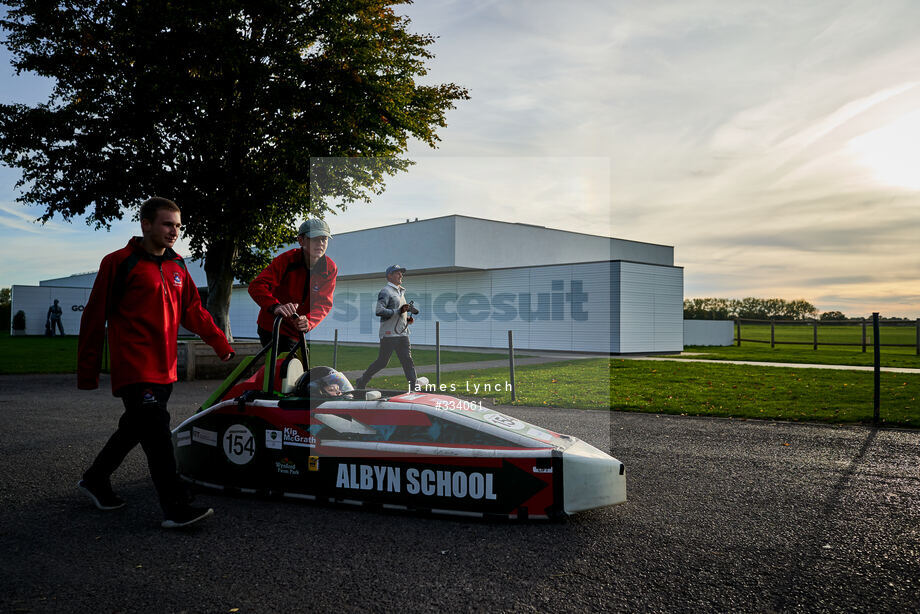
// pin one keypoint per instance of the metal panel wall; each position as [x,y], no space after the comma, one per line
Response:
[709,332]
[615,325]
[616,307]
[650,308]
[507,286]
[594,329]
[565,307]
[35,300]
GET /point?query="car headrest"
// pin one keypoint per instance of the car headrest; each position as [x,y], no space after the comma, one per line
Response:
[293,373]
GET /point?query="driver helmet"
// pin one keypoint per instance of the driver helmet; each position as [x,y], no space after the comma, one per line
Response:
[327,382]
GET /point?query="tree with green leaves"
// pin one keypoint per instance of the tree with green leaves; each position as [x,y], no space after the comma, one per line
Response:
[747,308]
[249,114]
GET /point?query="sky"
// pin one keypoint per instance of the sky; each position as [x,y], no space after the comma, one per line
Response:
[775,145]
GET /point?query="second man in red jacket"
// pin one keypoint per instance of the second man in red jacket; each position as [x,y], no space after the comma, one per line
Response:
[298,284]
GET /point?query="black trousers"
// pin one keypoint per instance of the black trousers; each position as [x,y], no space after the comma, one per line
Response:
[403,351]
[145,422]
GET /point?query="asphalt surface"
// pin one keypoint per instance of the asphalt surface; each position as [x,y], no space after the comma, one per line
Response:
[722,516]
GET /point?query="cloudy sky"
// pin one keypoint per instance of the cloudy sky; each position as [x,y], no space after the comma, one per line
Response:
[774,144]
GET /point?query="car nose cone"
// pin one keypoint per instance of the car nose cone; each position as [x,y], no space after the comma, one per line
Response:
[591,478]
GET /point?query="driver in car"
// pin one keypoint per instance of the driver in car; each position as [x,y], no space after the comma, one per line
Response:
[324,382]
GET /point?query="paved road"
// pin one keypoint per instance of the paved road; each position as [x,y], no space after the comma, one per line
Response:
[722,516]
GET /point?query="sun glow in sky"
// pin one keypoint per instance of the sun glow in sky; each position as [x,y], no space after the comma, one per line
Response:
[775,145]
[892,152]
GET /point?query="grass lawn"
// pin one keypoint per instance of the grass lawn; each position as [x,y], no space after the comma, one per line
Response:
[821,395]
[697,389]
[38,354]
[353,358]
[583,384]
[690,388]
[827,355]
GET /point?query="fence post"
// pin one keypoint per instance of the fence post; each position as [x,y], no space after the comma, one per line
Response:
[815,324]
[918,336]
[511,362]
[437,354]
[335,350]
[738,333]
[772,334]
[877,387]
[864,334]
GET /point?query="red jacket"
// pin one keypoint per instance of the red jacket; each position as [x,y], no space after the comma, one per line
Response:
[285,280]
[144,300]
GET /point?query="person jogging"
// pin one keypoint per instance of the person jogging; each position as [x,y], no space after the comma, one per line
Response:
[395,317]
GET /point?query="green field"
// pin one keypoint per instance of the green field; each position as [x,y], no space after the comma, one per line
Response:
[905,334]
[825,354]
[37,354]
[581,384]
[676,387]
[697,389]
[740,391]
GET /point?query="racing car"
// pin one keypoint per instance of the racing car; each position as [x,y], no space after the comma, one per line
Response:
[300,433]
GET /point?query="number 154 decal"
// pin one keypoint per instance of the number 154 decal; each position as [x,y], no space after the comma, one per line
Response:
[239,444]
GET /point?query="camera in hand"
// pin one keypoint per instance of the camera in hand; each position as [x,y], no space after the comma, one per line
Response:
[412,307]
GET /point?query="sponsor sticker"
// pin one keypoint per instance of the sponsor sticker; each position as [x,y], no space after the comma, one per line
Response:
[183,438]
[273,440]
[313,463]
[296,437]
[209,438]
[239,444]
[287,467]
[505,421]
[513,424]
[539,470]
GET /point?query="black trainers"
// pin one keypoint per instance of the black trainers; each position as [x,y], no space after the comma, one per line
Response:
[184,516]
[103,497]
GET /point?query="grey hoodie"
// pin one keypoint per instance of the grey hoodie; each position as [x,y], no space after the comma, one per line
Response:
[389,300]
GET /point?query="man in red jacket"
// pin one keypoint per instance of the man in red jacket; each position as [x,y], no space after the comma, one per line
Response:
[144,292]
[297,284]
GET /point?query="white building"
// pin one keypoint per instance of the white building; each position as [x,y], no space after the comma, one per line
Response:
[556,290]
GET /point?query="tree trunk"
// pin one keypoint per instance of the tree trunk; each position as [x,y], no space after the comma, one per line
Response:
[217,266]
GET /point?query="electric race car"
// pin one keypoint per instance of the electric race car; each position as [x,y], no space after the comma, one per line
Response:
[300,434]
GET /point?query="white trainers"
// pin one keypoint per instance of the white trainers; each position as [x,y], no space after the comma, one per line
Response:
[103,497]
[184,516]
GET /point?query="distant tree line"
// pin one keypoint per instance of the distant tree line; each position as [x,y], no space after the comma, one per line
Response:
[764,309]
[750,307]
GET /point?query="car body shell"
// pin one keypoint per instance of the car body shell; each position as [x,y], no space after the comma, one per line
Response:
[416,451]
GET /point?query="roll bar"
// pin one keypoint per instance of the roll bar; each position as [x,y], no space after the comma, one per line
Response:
[271,349]
[273,357]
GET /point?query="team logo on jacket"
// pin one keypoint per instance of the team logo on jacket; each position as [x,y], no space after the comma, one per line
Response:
[177,279]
